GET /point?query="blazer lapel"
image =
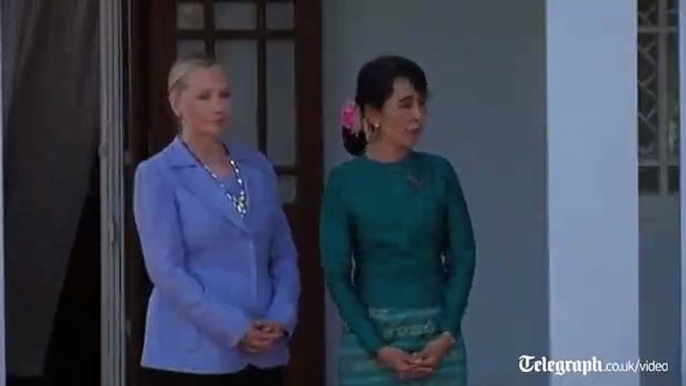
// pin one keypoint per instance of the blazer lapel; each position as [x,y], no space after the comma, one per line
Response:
[203,186]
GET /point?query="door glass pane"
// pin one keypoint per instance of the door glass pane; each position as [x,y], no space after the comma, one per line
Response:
[190,16]
[240,60]
[189,47]
[647,13]
[672,98]
[673,179]
[647,97]
[673,13]
[279,15]
[288,189]
[281,136]
[235,15]
[648,179]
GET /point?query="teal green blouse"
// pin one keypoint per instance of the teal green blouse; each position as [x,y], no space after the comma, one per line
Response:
[396,235]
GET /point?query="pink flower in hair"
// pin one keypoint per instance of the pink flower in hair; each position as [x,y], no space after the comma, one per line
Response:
[350,117]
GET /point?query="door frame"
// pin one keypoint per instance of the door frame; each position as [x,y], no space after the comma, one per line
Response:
[3,331]
[111,154]
[150,126]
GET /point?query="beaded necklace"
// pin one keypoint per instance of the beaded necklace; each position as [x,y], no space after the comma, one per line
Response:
[240,203]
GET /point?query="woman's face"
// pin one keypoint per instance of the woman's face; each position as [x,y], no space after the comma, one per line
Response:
[204,105]
[401,120]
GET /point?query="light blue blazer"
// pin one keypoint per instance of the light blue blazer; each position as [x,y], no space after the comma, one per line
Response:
[213,272]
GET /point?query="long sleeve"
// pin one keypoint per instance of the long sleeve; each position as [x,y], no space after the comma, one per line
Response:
[283,268]
[158,226]
[335,241]
[460,253]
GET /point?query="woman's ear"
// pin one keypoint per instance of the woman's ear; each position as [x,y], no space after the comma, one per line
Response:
[174,103]
[373,117]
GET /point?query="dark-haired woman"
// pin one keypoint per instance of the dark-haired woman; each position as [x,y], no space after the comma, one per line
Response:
[397,245]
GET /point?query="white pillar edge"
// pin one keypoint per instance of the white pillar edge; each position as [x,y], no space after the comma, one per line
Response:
[682,178]
[113,316]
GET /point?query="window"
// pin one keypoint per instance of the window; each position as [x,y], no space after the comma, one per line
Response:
[256,39]
[658,97]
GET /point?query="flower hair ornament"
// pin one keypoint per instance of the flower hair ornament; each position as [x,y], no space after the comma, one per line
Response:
[351,120]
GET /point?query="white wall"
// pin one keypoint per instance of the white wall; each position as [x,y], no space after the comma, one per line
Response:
[543,140]
[485,63]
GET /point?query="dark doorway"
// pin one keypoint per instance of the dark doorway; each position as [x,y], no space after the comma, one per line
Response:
[72,354]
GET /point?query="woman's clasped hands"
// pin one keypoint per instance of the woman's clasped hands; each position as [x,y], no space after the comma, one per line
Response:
[262,336]
[415,365]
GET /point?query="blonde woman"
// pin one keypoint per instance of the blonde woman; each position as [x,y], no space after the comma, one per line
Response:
[217,247]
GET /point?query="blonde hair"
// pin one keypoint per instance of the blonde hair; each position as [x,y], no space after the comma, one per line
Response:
[184,66]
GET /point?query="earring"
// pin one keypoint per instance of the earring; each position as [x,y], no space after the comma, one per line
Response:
[374,132]
[368,129]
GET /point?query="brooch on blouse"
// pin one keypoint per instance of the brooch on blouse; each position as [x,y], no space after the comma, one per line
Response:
[416,182]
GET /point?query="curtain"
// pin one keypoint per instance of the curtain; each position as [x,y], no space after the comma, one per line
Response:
[51,101]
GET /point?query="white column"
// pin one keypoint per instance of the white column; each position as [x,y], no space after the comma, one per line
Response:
[592,185]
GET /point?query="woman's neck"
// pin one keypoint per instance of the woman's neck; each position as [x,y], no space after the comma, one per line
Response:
[386,153]
[209,149]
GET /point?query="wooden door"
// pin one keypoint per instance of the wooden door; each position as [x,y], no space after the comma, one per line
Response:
[272,50]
